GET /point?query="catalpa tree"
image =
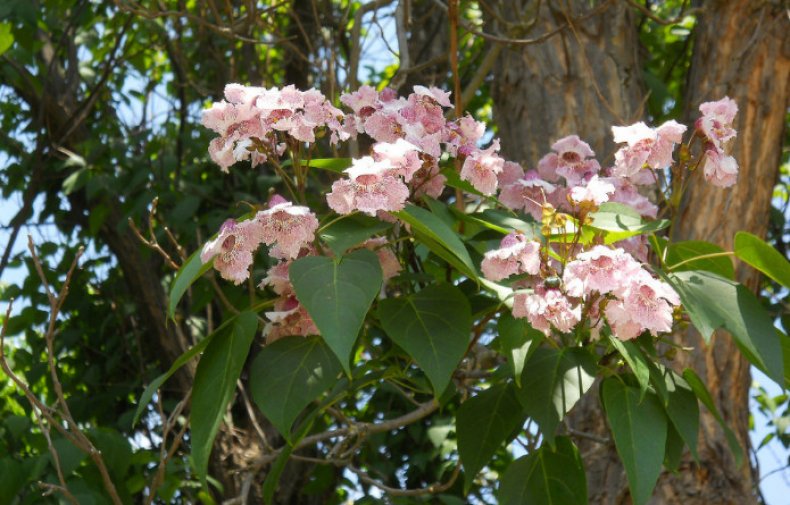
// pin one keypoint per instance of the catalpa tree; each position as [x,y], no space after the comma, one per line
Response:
[490,296]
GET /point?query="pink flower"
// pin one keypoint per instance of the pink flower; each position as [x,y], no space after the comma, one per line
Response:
[371,187]
[719,169]
[511,172]
[573,161]
[363,102]
[546,308]
[646,147]
[437,95]
[232,250]
[291,227]
[516,255]
[596,191]
[289,318]
[645,304]
[403,156]
[600,269]
[277,278]
[462,135]
[390,266]
[481,168]
[716,121]
[625,192]
[428,180]
[528,194]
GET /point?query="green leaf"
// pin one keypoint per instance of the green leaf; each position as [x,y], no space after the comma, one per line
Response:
[682,409]
[518,341]
[552,382]
[639,431]
[714,302]
[189,272]
[428,224]
[503,222]
[336,165]
[673,452]
[12,478]
[483,423]
[6,37]
[699,389]
[433,327]
[178,363]
[75,181]
[546,477]
[687,250]
[288,374]
[337,293]
[215,380]
[620,221]
[635,359]
[350,231]
[115,450]
[752,250]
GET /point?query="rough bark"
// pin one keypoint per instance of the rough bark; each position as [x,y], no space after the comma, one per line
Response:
[581,80]
[546,91]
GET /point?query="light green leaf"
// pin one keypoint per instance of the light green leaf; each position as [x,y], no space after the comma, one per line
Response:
[684,251]
[699,389]
[433,326]
[288,374]
[337,165]
[503,222]
[215,380]
[518,341]
[639,431]
[6,37]
[546,477]
[714,302]
[189,272]
[620,221]
[428,224]
[338,293]
[752,250]
[350,231]
[552,382]
[483,423]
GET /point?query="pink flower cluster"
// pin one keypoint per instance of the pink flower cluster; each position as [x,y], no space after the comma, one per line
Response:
[645,148]
[610,283]
[248,122]
[566,178]
[284,226]
[715,126]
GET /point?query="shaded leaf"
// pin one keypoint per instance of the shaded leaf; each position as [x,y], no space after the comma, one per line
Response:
[350,231]
[518,341]
[639,431]
[433,326]
[288,374]
[546,477]
[483,423]
[189,272]
[687,250]
[215,380]
[338,293]
[552,382]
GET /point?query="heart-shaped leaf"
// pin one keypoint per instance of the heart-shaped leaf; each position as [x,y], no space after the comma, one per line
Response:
[433,327]
[337,293]
[288,374]
[483,423]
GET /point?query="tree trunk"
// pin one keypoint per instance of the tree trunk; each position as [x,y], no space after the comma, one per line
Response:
[582,80]
[542,92]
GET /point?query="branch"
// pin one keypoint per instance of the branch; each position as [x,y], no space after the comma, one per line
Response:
[394,491]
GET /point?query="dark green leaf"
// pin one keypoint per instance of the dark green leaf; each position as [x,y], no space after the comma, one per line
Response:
[189,272]
[714,302]
[639,431]
[518,341]
[685,251]
[350,231]
[337,293]
[673,453]
[273,475]
[752,250]
[699,389]
[483,423]
[288,374]
[215,380]
[682,409]
[551,384]
[435,229]
[433,327]
[546,477]
[635,359]
[12,479]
